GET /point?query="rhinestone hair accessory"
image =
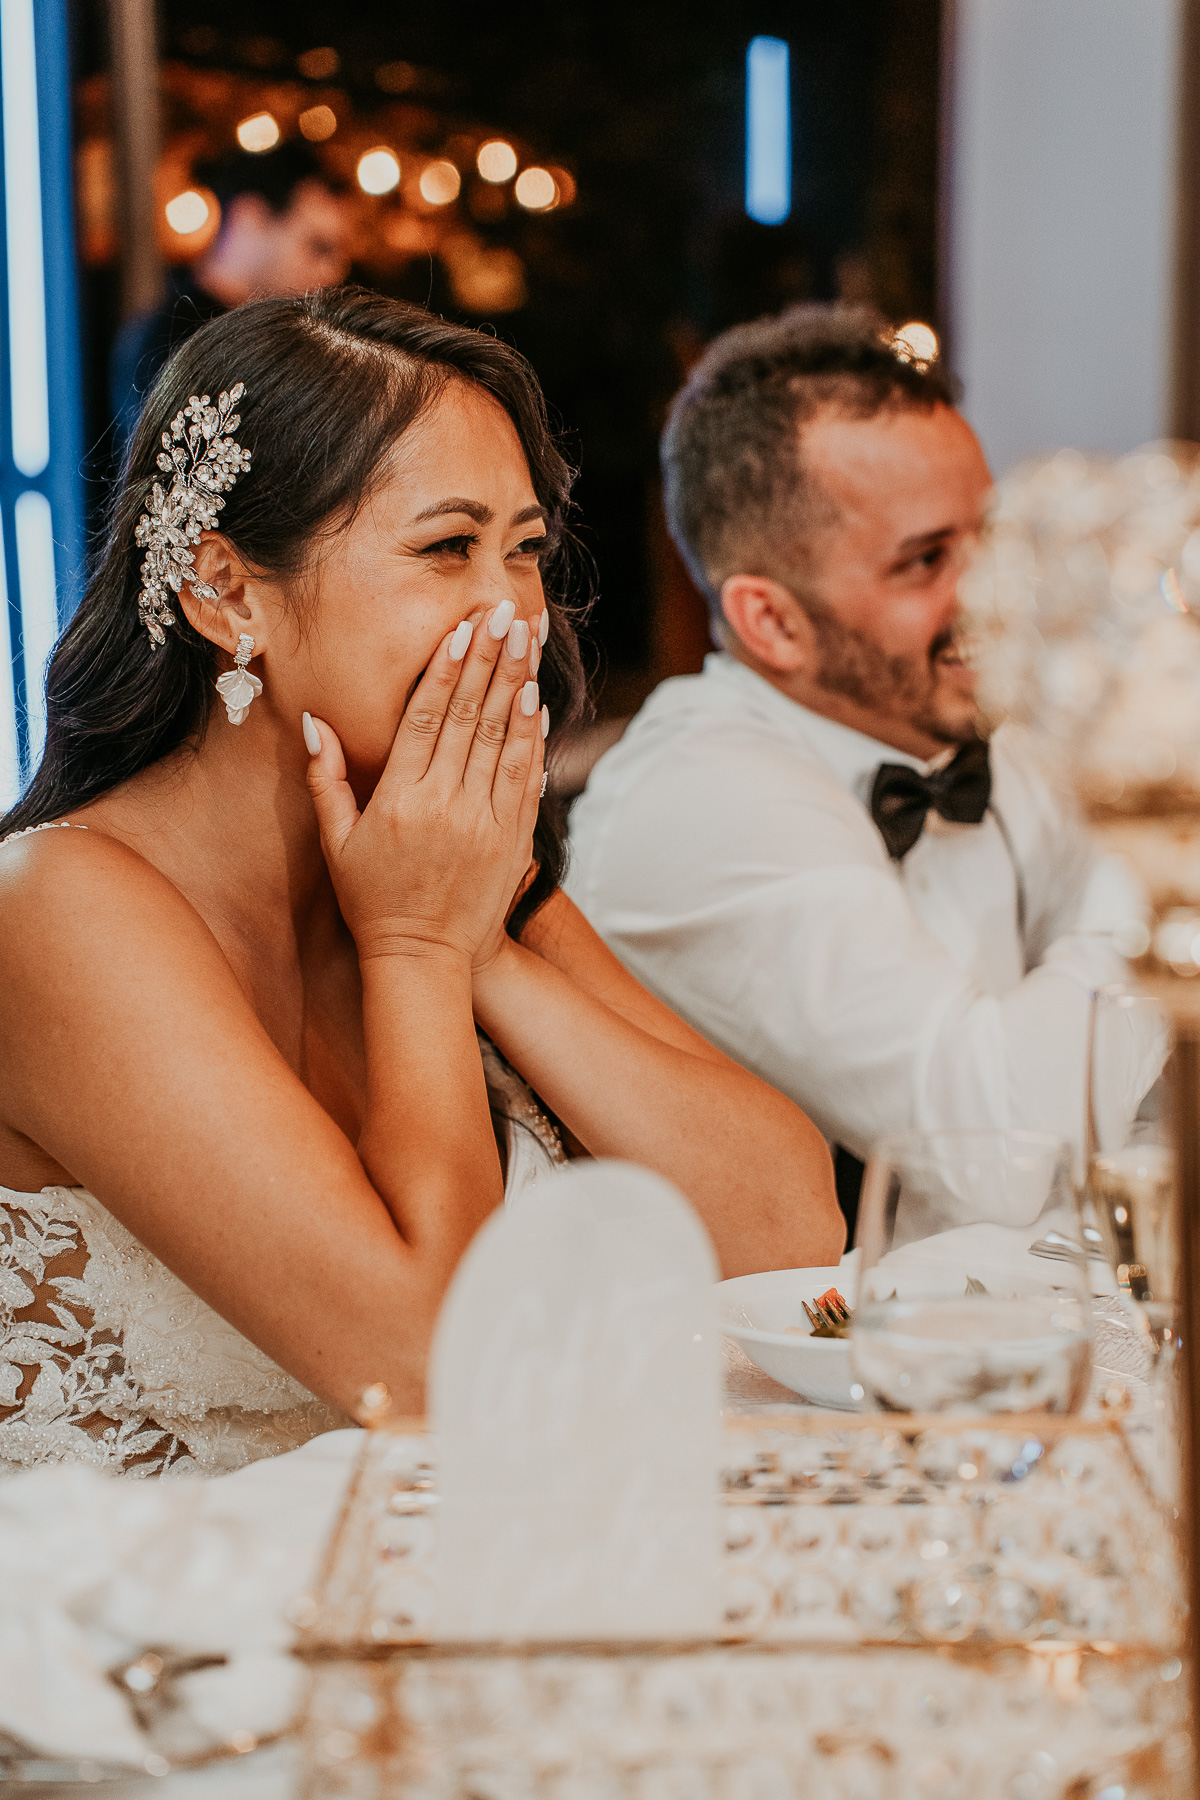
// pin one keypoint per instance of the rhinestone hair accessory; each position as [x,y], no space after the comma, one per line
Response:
[201,456]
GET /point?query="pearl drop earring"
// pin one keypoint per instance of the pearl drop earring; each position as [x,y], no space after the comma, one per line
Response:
[238,687]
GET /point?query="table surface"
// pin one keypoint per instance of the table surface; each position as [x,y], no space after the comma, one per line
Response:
[274,1773]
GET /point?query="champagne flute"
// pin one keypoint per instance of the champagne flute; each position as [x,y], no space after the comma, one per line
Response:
[1129,1159]
[954,1315]
[1131,1185]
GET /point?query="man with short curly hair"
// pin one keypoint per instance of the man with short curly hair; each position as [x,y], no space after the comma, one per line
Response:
[809,850]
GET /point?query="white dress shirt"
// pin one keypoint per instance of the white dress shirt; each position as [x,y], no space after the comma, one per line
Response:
[725,851]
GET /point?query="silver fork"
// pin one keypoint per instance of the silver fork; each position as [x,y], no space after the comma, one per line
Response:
[1060,1249]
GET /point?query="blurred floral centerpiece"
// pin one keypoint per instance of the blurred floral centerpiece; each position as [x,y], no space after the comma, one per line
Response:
[1084,610]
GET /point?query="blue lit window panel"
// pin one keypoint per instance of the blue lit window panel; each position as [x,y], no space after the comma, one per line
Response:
[28,374]
[39,606]
[10,749]
[41,513]
[768,131]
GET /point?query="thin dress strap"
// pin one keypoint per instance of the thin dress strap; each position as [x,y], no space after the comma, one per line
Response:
[46,825]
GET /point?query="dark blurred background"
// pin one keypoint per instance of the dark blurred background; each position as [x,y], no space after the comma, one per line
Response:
[637,111]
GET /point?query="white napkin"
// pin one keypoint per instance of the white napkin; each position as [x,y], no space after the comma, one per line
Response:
[997,1255]
[94,1569]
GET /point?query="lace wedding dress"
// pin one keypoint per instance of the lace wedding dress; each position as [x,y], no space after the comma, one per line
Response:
[107,1358]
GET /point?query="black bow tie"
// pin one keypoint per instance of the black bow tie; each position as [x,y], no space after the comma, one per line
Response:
[900,797]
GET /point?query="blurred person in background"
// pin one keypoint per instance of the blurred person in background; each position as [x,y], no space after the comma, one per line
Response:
[285,230]
[809,850]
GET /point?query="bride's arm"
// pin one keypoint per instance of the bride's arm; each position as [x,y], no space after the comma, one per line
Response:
[559,934]
[631,1080]
[130,1055]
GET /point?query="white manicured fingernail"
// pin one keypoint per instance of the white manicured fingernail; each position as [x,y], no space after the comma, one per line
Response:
[456,649]
[312,737]
[545,721]
[518,639]
[543,628]
[501,619]
[535,657]
[529,699]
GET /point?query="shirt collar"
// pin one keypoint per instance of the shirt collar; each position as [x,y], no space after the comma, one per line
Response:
[852,756]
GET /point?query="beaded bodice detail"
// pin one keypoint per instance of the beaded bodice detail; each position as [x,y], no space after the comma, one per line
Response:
[534,1146]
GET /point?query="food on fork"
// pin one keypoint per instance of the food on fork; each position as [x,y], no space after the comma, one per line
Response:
[829,1315]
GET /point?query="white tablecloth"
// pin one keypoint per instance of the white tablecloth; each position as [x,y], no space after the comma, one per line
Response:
[93,1570]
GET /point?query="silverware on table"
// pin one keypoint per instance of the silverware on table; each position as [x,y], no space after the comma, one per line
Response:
[1061,1249]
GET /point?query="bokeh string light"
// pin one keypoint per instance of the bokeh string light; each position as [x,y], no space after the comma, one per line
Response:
[187,212]
[536,190]
[443,187]
[320,64]
[916,343]
[378,171]
[440,183]
[259,132]
[484,279]
[395,77]
[318,123]
[496,161]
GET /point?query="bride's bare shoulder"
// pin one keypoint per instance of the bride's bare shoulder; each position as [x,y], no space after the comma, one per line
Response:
[72,893]
[86,858]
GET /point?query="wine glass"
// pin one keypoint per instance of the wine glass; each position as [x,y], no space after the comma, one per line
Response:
[1131,1188]
[956,1312]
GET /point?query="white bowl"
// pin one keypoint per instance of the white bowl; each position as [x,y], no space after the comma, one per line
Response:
[756,1311]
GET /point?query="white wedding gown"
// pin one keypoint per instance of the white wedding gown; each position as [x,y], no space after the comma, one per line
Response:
[107,1358]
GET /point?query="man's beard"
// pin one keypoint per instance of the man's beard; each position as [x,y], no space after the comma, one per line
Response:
[896,686]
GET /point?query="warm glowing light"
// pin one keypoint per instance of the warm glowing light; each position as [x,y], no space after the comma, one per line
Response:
[440,182]
[409,233]
[187,212]
[259,132]
[395,77]
[497,161]
[318,123]
[916,343]
[378,171]
[320,64]
[536,190]
[484,280]
[565,183]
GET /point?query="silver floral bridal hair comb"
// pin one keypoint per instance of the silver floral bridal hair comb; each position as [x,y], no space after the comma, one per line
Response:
[204,461]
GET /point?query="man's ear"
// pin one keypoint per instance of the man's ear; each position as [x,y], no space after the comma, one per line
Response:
[222,620]
[769,622]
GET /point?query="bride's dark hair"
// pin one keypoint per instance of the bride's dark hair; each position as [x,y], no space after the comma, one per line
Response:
[332,381]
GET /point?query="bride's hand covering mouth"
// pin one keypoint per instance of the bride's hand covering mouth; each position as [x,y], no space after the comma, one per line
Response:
[434,858]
